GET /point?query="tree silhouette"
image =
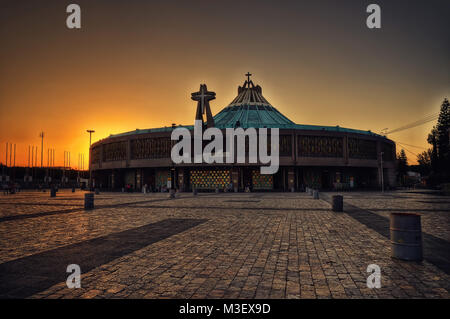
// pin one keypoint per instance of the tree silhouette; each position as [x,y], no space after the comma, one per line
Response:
[402,165]
[437,159]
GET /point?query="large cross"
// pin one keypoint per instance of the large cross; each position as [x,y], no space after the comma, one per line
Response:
[248,75]
[203,96]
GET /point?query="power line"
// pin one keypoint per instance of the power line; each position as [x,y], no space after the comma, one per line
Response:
[408,149]
[424,120]
[421,147]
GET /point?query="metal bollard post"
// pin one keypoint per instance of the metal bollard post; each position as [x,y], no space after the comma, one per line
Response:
[217,190]
[316,194]
[406,236]
[89,201]
[171,193]
[194,191]
[52,192]
[337,203]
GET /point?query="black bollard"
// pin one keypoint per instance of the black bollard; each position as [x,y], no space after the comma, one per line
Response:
[194,191]
[337,203]
[89,201]
[53,192]
[316,194]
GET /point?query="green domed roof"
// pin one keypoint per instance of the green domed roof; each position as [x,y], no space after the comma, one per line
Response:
[251,109]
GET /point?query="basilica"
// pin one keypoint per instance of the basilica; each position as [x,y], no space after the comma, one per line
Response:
[322,157]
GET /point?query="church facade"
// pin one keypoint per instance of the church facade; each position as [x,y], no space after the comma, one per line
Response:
[322,157]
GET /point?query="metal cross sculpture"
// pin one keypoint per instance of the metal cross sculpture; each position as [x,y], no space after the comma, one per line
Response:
[248,75]
[203,96]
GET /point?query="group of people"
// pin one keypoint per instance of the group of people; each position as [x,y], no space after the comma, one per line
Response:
[10,188]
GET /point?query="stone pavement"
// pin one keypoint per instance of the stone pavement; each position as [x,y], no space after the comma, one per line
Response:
[258,245]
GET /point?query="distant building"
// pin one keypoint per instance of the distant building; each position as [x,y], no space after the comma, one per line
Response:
[326,157]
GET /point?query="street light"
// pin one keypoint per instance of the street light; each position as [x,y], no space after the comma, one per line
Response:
[90,140]
[382,174]
[41,135]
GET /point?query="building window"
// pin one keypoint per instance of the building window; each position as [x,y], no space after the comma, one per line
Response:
[320,146]
[115,151]
[362,149]
[285,145]
[149,148]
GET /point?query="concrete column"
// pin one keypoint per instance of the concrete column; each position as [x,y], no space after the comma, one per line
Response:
[181,180]
[101,156]
[128,153]
[291,178]
[345,150]
[235,178]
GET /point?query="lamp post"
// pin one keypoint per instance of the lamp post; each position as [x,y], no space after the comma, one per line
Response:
[90,171]
[41,135]
[382,174]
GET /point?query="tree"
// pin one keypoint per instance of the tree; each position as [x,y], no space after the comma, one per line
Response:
[402,165]
[424,160]
[432,139]
[439,138]
[442,141]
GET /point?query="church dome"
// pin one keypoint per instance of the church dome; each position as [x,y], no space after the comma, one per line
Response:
[251,109]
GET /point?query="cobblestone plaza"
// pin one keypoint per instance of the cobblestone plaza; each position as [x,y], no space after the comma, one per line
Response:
[226,245]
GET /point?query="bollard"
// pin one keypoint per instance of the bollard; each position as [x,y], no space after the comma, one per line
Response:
[235,189]
[194,191]
[171,193]
[337,203]
[97,191]
[406,236]
[310,191]
[52,192]
[89,201]
[292,189]
[217,190]
[316,194]
[73,189]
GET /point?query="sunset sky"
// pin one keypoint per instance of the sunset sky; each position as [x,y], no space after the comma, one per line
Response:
[133,64]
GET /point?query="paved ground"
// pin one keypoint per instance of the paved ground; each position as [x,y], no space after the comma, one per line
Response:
[259,245]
